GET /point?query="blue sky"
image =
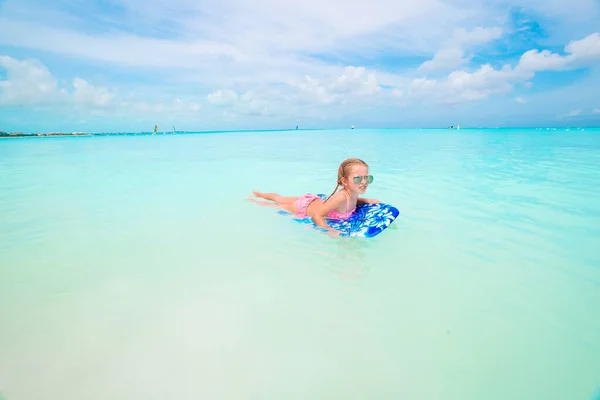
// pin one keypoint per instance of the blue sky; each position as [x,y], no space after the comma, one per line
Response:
[126,65]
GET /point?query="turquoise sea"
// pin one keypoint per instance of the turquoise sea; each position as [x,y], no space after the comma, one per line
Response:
[133,267]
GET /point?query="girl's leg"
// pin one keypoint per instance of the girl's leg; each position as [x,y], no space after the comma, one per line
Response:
[265,203]
[275,197]
[289,207]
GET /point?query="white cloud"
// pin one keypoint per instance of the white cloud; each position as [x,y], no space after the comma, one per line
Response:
[263,103]
[269,26]
[28,82]
[580,53]
[353,83]
[304,95]
[313,90]
[445,59]
[478,35]
[580,114]
[534,60]
[461,86]
[584,50]
[520,100]
[86,94]
[222,97]
[176,106]
[452,54]
[123,48]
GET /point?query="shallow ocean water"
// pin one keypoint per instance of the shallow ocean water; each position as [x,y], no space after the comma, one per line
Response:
[134,267]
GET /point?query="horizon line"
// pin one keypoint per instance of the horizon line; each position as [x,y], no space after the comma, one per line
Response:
[293,129]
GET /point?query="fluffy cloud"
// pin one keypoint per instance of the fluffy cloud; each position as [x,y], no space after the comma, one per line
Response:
[255,103]
[478,35]
[121,49]
[352,83]
[89,95]
[580,53]
[582,113]
[452,53]
[445,59]
[222,97]
[30,83]
[176,106]
[262,103]
[27,82]
[461,86]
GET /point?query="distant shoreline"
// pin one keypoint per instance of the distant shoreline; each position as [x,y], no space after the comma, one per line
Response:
[15,135]
[4,135]
[7,135]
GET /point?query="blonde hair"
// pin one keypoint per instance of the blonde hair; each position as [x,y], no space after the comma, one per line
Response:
[344,171]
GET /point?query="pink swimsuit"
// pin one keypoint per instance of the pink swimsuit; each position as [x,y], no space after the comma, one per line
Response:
[304,201]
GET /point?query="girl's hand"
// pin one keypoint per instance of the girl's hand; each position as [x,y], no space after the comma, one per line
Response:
[374,201]
[334,233]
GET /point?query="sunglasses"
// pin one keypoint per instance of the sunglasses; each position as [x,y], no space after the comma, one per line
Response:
[358,179]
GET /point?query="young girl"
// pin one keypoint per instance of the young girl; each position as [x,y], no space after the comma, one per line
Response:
[353,177]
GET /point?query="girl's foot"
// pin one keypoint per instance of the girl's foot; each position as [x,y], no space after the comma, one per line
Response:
[255,193]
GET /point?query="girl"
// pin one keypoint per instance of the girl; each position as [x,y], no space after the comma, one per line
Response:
[353,177]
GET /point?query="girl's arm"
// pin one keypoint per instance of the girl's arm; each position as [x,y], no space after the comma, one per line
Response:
[320,213]
[366,201]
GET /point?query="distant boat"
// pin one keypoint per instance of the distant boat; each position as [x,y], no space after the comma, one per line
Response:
[155,128]
[352,127]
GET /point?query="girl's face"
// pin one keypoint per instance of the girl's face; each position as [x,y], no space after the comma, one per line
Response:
[358,179]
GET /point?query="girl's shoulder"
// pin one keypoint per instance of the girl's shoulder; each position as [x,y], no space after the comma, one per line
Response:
[331,203]
[342,198]
[339,196]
